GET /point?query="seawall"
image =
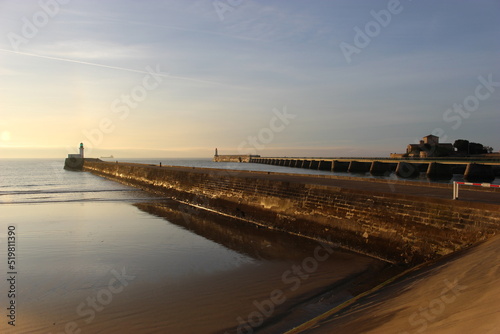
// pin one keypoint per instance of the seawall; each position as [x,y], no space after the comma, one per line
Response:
[478,169]
[234,158]
[386,221]
[76,164]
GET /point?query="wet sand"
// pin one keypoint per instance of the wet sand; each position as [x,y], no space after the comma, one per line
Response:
[164,268]
[457,294]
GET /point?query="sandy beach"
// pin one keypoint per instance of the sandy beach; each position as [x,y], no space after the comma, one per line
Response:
[457,294]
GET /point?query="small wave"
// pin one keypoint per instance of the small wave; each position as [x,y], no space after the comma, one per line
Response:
[39,192]
[86,200]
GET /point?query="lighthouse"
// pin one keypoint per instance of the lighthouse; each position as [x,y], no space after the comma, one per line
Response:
[75,161]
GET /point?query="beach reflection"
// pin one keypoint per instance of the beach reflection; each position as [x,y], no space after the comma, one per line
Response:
[184,273]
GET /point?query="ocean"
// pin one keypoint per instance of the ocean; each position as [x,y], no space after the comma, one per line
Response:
[82,254]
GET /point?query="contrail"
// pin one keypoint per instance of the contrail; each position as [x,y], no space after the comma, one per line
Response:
[109,66]
[77,61]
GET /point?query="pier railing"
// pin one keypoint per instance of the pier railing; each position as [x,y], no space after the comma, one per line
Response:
[457,184]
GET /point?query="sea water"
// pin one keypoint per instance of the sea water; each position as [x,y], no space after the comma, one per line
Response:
[82,254]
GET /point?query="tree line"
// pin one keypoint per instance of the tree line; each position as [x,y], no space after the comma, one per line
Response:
[465,147]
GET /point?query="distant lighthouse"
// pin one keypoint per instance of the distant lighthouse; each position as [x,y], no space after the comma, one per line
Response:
[75,161]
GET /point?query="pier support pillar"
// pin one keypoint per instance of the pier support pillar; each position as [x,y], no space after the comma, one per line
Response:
[359,167]
[382,168]
[439,171]
[405,169]
[325,165]
[479,173]
[458,169]
[340,166]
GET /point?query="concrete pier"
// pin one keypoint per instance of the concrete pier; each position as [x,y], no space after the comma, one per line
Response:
[234,158]
[77,164]
[434,168]
[73,164]
[397,222]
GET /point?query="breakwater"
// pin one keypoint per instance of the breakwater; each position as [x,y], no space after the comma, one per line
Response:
[76,163]
[234,158]
[482,170]
[390,221]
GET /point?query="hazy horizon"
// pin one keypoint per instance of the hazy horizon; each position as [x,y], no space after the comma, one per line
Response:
[181,78]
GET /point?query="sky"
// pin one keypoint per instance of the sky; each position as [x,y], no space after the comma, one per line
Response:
[172,78]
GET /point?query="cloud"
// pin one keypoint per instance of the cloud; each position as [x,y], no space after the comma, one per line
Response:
[94,50]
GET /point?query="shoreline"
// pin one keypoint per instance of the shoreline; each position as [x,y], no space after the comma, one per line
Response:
[462,274]
[308,305]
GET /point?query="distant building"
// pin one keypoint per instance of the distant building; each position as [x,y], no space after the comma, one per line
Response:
[428,147]
[431,140]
